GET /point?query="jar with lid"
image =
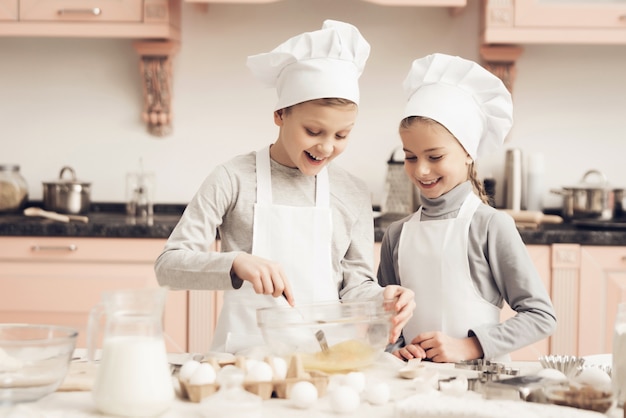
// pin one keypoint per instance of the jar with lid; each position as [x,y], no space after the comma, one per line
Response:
[13,189]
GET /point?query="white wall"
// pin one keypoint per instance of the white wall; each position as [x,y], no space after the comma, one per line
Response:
[78,101]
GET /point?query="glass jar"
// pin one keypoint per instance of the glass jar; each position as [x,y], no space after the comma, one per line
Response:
[13,189]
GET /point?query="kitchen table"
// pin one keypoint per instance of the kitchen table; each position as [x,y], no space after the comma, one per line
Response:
[79,404]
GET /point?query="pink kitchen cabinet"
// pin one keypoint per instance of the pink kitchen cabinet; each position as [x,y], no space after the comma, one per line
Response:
[8,10]
[587,285]
[135,19]
[563,22]
[58,281]
[602,289]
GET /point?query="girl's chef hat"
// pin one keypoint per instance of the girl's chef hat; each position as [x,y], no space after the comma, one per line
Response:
[472,103]
[314,65]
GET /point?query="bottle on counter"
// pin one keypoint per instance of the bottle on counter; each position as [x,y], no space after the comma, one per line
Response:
[534,182]
[513,179]
[13,189]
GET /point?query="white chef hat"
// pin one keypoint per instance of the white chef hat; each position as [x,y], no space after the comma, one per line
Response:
[314,65]
[471,102]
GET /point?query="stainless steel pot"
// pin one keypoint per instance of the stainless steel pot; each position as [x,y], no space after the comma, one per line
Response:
[588,199]
[67,195]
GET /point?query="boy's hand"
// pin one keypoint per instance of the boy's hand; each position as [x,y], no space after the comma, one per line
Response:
[266,277]
[409,352]
[402,300]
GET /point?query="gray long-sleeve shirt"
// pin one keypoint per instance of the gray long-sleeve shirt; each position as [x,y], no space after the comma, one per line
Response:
[225,203]
[500,267]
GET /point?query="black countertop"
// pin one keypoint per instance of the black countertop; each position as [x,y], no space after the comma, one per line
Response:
[108,220]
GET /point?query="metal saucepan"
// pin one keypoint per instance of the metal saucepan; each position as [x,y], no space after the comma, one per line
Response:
[67,195]
[589,199]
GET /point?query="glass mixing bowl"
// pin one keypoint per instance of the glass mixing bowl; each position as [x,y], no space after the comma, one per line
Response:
[34,360]
[355,332]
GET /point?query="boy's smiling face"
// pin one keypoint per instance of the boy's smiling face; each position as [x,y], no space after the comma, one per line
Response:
[311,135]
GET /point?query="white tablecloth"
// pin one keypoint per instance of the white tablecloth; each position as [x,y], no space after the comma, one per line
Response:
[79,404]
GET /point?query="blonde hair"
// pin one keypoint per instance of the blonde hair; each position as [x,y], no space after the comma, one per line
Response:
[472,175]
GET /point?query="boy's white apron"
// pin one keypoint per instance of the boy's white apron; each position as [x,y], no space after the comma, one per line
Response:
[297,237]
[433,262]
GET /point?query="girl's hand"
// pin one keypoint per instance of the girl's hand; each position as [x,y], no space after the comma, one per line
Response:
[409,352]
[442,348]
[402,300]
[266,277]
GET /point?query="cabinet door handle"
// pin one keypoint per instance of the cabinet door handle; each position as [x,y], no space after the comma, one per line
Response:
[71,247]
[96,11]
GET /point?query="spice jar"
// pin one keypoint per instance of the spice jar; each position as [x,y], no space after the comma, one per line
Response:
[13,189]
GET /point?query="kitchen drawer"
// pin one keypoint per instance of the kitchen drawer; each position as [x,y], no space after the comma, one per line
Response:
[8,10]
[82,10]
[72,249]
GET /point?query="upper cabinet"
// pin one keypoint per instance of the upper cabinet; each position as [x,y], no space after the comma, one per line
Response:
[434,3]
[554,21]
[146,19]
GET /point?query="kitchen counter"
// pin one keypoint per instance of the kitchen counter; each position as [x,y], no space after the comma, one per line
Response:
[108,220]
[80,403]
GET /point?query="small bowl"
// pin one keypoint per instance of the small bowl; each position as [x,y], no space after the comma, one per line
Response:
[582,397]
[34,360]
[570,366]
[356,333]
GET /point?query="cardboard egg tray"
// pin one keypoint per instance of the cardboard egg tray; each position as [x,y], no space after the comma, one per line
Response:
[278,388]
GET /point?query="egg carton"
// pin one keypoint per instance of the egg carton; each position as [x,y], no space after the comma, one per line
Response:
[278,388]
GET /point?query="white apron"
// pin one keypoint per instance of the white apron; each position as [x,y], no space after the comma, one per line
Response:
[299,238]
[433,262]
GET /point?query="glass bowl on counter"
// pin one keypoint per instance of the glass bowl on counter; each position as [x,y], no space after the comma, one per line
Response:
[34,360]
[330,337]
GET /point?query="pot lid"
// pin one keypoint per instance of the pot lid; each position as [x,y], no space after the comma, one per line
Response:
[72,180]
[600,181]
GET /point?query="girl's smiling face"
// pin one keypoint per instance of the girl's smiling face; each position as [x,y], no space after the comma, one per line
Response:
[433,158]
[312,135]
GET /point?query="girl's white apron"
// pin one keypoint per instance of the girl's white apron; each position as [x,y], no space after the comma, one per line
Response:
[433,262]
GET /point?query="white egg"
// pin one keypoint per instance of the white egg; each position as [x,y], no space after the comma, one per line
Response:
[595,377]
[344,399]
[280,367]
[204,374]
[187,369]
[303,394]
[260,372]
[355,380]
[377,393]
[552,374]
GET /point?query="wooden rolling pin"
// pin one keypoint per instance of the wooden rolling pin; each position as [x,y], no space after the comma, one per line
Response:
[528,217]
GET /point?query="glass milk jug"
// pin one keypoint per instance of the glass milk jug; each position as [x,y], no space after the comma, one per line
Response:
[133,378]
[618,368]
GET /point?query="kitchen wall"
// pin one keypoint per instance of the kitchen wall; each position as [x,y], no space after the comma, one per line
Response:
[77,102]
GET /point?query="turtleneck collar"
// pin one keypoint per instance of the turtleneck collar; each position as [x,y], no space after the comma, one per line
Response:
[446,203]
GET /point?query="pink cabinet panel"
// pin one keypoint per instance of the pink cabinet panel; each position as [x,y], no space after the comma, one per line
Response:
[602,289]
[82,10]
[8,10]
[59,280]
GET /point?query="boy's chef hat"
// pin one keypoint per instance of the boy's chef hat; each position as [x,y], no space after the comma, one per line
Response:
[315,65]
[472,103]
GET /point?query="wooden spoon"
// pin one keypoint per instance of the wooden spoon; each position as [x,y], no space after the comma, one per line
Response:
[34,211]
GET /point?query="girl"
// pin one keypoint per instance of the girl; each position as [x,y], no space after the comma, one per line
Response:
[460,256]
[290,223]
